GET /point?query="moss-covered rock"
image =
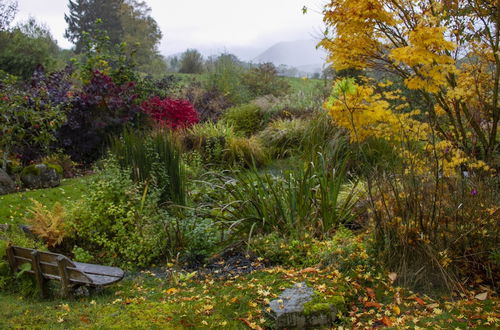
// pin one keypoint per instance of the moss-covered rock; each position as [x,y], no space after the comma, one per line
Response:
[41,176]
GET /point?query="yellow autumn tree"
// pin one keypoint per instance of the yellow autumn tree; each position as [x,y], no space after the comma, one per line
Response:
[445,50]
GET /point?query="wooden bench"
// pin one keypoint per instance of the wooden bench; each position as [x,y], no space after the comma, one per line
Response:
[53,266]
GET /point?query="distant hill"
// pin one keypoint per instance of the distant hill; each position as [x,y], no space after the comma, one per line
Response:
[299,54]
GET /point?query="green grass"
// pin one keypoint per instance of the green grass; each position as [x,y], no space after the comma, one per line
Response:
[147,301]
[307,86]
[14,207]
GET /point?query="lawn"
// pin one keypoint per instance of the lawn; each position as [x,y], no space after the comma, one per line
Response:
[14,207]
[146,300]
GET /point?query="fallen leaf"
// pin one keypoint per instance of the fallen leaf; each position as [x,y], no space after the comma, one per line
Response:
[386,321]
[419,301]
[250,324]
[371,293]
[84,319]
[308,270]
[369,304]
[171,291]
[482,296]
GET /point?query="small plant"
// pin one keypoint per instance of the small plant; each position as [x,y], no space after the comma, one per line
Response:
[170,113]
[50,225]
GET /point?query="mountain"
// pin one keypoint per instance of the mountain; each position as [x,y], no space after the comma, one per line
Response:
[299,54]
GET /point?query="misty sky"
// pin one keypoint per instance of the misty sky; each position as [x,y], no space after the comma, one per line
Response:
[244,27]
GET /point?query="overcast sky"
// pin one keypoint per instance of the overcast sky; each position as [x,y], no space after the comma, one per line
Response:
[244,27]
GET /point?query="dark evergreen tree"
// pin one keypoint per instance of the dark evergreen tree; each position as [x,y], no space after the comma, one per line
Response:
[84,16]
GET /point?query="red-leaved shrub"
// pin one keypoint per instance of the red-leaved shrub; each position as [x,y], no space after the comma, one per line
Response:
[170,113]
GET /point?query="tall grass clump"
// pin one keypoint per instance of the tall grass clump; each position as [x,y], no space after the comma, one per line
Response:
[305,201]
[152,158]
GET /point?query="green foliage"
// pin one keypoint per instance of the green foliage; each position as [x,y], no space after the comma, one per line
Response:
[297,104]
[142,36]
[226,77]
[303,201]
[263,80]
[209,139]
[25,47]
[192,237]
[118,221]
[88,16]
[247,152]
[283,136]
[246,119]
[279,250]
[62,163]
[25,120]
[154,159]
[191,62]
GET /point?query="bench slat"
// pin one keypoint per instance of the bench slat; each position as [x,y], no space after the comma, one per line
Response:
[99,270]
[77,272]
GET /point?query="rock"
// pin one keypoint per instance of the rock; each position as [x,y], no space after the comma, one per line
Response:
[7,185]
[41,176]
[300,307]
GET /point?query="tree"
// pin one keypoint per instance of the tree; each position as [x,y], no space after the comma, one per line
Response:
[82,18]
[8,10]
[446,50]
[142,36]
[25,47]
[191,62]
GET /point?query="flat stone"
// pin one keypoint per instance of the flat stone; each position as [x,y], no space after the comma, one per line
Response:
[288,310]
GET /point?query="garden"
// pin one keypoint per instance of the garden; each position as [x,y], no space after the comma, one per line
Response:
[375,186]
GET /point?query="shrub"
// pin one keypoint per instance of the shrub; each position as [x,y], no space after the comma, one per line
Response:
[101,109]
[304,201]
[49,225]
[210,103]
[191,62]
[283,136]
[248,152]
[297,104]
[170,113]
[28,119]
[226,77]
[118,222]
[246,119]
[153,159]
[435,232]
[209,139]
[343,251]
[263,80]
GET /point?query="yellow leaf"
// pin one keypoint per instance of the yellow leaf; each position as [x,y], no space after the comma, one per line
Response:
[172,291]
